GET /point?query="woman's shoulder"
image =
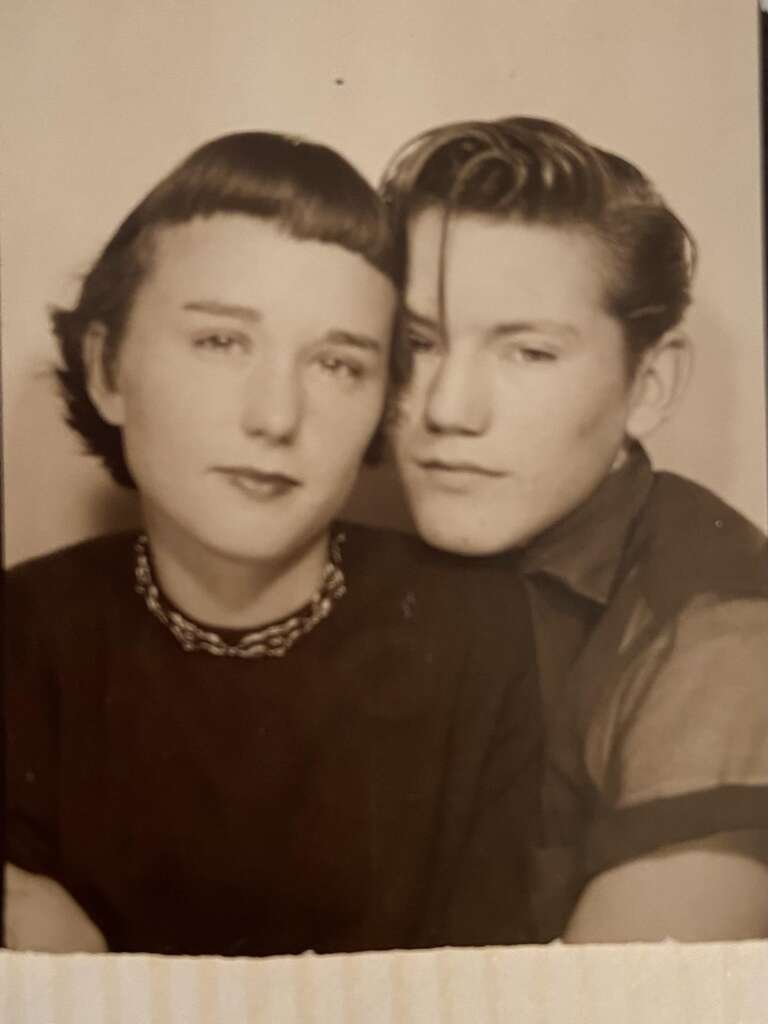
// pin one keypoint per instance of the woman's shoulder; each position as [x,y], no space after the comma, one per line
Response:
[378,543]
[374,546]
[89,565]
[441,630]
[380,554]
[485,591]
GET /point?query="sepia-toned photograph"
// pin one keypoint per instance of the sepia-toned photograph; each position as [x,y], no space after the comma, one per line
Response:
[384,477]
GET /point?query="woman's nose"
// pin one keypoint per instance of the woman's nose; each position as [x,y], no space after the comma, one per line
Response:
[458,398]
[272,402]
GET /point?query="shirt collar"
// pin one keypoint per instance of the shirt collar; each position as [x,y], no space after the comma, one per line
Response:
[584,550]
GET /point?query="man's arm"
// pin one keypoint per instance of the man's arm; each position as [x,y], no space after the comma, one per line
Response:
[680,845]
[705,890]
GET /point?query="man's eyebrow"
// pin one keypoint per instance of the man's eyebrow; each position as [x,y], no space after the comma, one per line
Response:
[360,341]
[214,308]
[418,318]
[533,327]
[505,327]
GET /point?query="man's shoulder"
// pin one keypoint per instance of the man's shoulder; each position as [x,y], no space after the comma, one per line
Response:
[693,583]
[688,543]
[680,504]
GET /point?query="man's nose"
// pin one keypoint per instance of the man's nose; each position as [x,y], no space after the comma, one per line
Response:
[458,398]
[272,402]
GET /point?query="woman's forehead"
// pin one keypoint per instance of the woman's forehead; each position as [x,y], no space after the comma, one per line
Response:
[252,263]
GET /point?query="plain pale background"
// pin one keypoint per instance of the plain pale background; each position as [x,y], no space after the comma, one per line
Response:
[102,97]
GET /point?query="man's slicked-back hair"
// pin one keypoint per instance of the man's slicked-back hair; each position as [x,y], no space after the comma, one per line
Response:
[536,171]
[308,190]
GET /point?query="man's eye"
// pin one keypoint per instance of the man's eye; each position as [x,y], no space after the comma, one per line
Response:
[419,343]
[519,353]
[221,341]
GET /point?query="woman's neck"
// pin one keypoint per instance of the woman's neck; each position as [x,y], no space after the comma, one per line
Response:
[221,590]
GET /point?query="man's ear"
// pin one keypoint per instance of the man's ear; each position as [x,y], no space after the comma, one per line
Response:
[102,388]
[659,383]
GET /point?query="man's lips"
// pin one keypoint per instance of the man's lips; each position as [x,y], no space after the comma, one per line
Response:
[459,468]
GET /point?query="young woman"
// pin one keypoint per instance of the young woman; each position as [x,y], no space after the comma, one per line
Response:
[248,729]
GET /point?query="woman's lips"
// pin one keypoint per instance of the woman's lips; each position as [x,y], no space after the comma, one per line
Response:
[258,483]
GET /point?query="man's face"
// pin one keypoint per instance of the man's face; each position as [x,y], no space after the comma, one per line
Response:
[248,383]
[517,409]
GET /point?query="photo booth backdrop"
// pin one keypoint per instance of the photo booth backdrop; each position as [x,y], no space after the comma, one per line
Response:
[102,98]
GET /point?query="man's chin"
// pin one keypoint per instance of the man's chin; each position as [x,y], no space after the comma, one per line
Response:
[462,538]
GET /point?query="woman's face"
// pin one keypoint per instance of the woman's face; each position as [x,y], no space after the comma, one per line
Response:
[249,381]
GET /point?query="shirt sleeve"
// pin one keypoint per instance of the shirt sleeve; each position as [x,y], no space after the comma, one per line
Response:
[680,750]
[31,724]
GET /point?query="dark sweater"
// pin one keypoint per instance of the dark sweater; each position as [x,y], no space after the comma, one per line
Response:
[374,788]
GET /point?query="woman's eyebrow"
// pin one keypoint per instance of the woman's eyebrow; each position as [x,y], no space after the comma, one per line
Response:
[359,341]
[247,314]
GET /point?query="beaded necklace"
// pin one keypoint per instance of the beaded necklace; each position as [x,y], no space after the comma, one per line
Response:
[272,641]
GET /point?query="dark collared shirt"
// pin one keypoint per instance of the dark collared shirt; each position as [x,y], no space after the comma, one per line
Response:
[650,605]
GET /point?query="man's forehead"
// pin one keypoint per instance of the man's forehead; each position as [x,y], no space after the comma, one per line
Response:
[425,261]
[481,260]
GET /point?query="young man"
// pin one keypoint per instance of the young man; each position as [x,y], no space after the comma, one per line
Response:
[545,288]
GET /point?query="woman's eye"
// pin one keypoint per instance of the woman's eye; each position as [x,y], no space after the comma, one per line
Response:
[537,355]
[337,366]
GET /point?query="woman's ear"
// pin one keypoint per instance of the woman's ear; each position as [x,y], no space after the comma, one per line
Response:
[102,389]
[659,384]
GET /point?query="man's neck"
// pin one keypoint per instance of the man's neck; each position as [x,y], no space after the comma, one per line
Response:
[585,549]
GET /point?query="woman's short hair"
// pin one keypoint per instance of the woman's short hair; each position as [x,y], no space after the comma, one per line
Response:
[538,171]
[310,191]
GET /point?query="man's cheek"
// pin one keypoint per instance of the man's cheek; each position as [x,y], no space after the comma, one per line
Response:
[604,420]
[406,414]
